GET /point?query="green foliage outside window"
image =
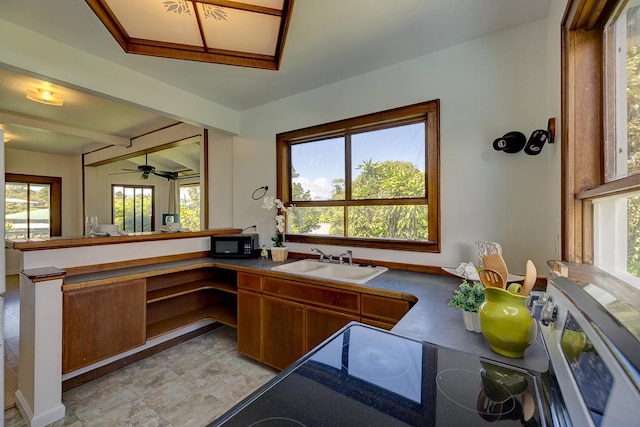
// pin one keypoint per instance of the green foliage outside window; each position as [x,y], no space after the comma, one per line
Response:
[377,180]
[133,208]
[190,207]
[633,162]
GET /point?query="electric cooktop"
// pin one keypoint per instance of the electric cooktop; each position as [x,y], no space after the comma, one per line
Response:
[370,377]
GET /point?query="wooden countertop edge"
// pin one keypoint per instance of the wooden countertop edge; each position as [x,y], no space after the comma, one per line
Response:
[74,242]
[70,287]
[199,263]
[43,274]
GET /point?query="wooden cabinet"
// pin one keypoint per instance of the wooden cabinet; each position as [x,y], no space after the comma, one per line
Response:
[383,312]
[183,298]
[283,326]
[101,322]
[348,301]
[280,320]
[250,315]
[322,323]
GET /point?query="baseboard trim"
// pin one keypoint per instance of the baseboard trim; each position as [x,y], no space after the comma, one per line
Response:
[126,361]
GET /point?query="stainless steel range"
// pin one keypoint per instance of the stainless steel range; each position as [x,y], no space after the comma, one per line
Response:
[593,343]
[363,376]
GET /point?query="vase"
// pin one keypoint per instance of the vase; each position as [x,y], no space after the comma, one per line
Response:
[279,253]
[471,321]
[506,322]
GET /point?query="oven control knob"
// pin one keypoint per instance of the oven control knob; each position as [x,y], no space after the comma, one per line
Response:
[542,307]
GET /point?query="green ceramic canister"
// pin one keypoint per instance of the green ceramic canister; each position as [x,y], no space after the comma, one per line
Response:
[506,322]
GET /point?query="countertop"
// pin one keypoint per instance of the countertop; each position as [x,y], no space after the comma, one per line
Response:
[431,319]
[59,242]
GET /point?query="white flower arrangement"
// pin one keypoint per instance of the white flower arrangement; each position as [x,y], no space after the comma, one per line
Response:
[271,202]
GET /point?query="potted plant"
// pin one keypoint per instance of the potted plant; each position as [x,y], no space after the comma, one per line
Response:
[469,298]
[279,249]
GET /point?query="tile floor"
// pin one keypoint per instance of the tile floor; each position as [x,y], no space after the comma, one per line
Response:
[188,385]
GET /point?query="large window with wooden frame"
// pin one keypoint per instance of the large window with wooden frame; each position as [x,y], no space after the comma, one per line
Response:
[369,181]
[133,207]
[601,136]
[32,206]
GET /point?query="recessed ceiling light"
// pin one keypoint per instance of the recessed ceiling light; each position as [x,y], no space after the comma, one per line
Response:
[44,96]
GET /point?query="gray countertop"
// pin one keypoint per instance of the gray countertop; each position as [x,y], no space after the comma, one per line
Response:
[431,319]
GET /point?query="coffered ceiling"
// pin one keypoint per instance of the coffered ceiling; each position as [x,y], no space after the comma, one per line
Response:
[327,41]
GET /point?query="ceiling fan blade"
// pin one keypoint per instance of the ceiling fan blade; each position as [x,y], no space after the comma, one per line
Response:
[166,174]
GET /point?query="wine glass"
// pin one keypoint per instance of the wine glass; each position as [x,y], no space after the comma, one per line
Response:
[92,224]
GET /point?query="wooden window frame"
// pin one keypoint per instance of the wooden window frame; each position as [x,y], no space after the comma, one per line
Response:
[55,202]
[583,131]
[153,201]
[427,112]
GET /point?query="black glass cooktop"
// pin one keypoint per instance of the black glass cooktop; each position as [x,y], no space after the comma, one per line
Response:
[365,376]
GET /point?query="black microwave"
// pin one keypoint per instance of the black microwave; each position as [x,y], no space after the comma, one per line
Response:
[234,245]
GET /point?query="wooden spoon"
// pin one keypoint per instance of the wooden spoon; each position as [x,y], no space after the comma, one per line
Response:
[496,262]
[491,278]
[530,274]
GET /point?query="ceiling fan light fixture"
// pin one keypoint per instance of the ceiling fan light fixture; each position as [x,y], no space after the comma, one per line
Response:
[45,96]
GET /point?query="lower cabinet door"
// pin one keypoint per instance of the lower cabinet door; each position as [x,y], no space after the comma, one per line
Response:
[249,328]
[101,322]
[283,327]
[321,324]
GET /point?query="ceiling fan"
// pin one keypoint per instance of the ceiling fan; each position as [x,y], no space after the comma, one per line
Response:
[147,170]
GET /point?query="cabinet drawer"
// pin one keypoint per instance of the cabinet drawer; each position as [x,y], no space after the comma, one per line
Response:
[384,308]
[250,282]
[317,295]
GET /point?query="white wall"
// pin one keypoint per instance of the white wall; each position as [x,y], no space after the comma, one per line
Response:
[66,167]
[220,180]
[31,51]
[503,82]
[487,87]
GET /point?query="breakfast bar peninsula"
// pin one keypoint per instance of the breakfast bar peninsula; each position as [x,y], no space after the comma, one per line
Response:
[86,302]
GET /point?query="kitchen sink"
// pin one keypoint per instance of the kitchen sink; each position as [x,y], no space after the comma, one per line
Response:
[331,271]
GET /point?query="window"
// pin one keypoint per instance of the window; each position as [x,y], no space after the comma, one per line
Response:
[601,146]
[133,207]
[190,206]
[32,206]
[370,181]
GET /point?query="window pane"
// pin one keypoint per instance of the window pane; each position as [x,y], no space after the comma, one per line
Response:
[27,211]
[318,220]
[16,204]
[633,235]
[190,207]
[623,102]
[118,207]
[389,222]
[318,170]
[389,163]
[133,208]
[39,215]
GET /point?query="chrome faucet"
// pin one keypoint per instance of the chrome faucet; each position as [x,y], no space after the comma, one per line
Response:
[349,255]
[329,258]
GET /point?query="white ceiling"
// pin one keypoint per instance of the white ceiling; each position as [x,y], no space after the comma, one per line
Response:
[328,41]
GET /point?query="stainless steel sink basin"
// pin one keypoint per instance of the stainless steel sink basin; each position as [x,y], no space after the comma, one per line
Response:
[330,271]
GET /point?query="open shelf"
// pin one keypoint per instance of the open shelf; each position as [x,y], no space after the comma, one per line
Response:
[174,291]
[180,299]
[222,314]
